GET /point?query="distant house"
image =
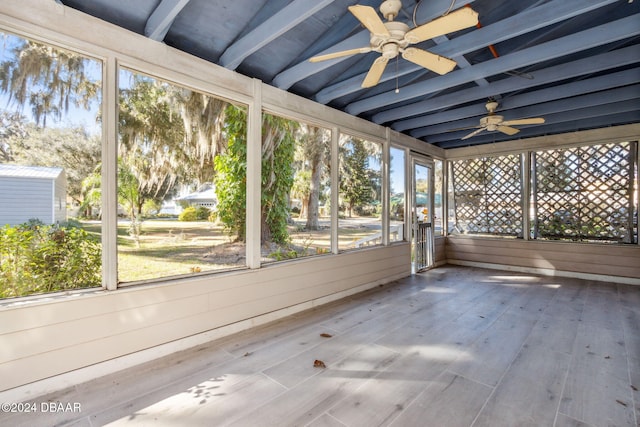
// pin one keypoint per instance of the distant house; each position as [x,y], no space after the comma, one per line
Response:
[32,192]
[205,196]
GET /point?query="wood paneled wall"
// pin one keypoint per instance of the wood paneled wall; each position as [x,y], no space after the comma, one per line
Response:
[597,261]
[64,333]
[440,255]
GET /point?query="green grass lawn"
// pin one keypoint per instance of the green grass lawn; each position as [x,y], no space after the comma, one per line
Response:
[168,247]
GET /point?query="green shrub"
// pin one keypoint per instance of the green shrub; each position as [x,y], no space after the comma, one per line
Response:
[202,213]
[189,214]
[37,258]
[192,213]
[282,254]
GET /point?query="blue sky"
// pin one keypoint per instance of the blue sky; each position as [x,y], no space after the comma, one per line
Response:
[397,171]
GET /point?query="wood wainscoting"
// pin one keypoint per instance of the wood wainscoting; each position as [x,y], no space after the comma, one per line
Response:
[619,263]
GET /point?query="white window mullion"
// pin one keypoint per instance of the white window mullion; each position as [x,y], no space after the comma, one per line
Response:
[636,146]
[109,173]
[445,198]
[386,156]
[254,171]
[335,188]
[526,194]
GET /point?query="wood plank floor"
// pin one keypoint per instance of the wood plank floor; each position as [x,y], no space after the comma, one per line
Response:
[456,346]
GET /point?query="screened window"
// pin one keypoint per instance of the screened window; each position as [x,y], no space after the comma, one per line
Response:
[586,193]
[438,212]
[181,180]
[397,199]
[296,189]
[360,194]
[50,156]
[487,196]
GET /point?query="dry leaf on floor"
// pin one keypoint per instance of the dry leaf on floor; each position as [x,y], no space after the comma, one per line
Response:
[319,364]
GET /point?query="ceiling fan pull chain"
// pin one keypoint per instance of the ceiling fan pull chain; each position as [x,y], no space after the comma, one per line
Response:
[397,84]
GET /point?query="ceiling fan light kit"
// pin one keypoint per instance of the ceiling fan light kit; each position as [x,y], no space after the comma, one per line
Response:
[393,38]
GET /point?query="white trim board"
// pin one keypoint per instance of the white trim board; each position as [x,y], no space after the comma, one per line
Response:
[548,272]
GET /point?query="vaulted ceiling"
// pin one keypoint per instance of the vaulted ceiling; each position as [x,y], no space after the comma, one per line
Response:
[576,63]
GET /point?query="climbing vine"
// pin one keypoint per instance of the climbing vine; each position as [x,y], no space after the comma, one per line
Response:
[278,149]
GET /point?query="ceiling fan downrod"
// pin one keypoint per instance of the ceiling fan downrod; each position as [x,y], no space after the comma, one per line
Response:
[390,9]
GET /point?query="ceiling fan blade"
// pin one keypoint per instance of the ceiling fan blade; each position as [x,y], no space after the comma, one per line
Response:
[375,72]
[508,130]
[370,19]
[339,54]
[531,121]
[474,133]
[462,18]
[465,128]
[428,60]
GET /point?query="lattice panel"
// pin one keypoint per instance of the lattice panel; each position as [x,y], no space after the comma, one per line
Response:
[488,196]
[553,175]
[584,193]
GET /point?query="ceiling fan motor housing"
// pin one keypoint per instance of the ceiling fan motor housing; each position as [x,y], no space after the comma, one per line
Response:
[491,106]
[390,46]
[491,122]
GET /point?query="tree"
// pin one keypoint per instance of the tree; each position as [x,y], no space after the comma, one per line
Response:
[301,189]
[203,119]
[151,137]
[355,183]
[129,195]
[130,198]
[12,128]
[91,193]
[169,134]
[48,79]
[313,152]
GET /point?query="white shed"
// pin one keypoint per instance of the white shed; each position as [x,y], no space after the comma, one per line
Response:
[32,192]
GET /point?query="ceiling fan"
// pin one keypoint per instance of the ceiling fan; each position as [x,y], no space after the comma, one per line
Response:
[393,37]
[493,122]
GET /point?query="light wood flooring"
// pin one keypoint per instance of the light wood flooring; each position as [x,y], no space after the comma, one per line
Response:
[455,346]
